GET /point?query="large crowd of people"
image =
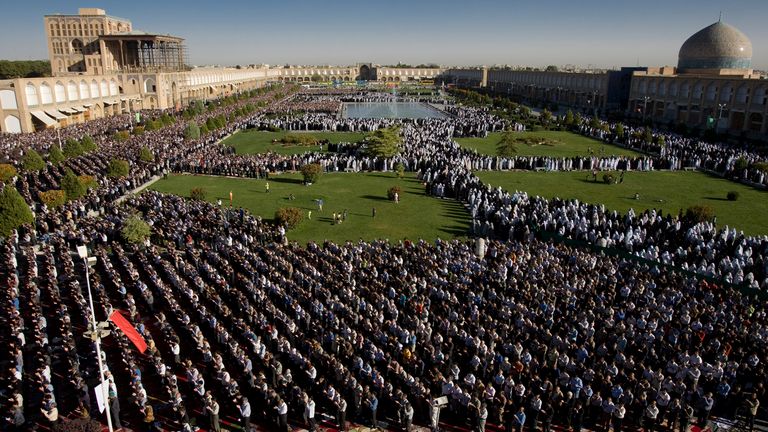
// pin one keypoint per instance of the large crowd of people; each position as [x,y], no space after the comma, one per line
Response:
[242,325]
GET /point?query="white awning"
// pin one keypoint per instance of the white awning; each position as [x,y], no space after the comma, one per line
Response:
[68,111]
[109,102]
[123,99]
[79,109]
[88,105]
[55,114]
[44,118]
[212,87]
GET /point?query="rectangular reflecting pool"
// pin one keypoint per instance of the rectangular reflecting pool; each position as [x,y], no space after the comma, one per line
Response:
[415,110]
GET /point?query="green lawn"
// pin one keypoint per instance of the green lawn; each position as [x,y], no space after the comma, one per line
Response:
[252,141]
[417,216]
[669,191]
[570,144]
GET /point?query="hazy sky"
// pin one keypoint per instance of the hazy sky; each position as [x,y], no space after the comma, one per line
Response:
[469,32]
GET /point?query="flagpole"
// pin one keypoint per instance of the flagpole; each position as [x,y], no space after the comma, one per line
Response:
[83,252]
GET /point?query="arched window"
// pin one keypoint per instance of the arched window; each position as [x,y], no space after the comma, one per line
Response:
[60,92]
[673,88]
[31,93]
[12,124]
[113,90]
[84,93]
[104,88]
[711,92]
[8,99]
[94,89]
[760,96]
[726,93]
[742,94]
[46,96]
[72,91]
[698,90]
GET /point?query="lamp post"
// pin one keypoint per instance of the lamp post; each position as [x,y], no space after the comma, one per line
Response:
[98,330]
[720,107]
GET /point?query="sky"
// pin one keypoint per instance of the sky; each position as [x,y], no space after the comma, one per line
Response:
[599,33]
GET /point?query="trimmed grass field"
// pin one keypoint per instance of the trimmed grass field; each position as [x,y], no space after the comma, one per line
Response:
[417,216]
[253,141]
[669,191]
[569,145]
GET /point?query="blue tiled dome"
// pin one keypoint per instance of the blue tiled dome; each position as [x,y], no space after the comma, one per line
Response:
[718,46]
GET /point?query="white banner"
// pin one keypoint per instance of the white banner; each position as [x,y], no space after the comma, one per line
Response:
[100,397]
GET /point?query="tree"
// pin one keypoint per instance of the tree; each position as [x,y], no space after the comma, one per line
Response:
[24,68]
[569,119]
[118,168]
[32,161]
[384,142]
[290,217]
[198,193]
[88,181]
[647,135]
[551,68]
[545,117]
[72,149]
[121,136]
[145,155]
[72,186]
[14,211]
[55,156]
[53,198]
[507,145]
[316,78]
[135,230]
[192,132]
[761,166]
[400,170]
[741,164]
[7,172]
[311,172]
[88,145]
[620,130]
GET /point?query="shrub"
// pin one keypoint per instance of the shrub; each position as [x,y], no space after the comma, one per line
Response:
[55,156]
[14,211]
[290,217]
[608,178]
[138,130]
[118,168]
[198,193]
[699,213]
[88,145]
[7,172]
[135,230]
[53,198]
[204,129]
[400,170]
[32,161]
[72,149]
[741,164]
[192,132]
[761,166]
[145,155]
[392,191]
[311,172]
[88,181]
[72,186]
[299,139]
[121,136]
[732,196]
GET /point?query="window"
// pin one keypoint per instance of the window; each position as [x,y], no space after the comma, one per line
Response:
[31,93]
[77,46]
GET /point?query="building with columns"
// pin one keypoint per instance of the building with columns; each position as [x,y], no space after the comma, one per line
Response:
[101,66]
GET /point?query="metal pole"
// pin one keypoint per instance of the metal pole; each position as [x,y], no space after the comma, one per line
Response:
[58,134]
[97,333]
